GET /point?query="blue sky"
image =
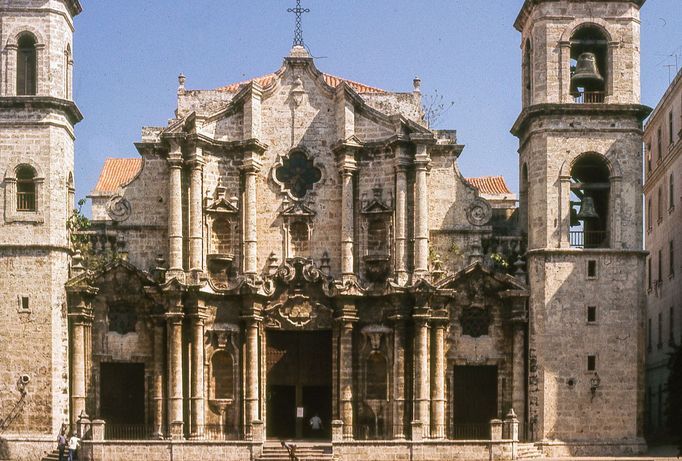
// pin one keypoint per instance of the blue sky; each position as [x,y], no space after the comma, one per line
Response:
[128,54]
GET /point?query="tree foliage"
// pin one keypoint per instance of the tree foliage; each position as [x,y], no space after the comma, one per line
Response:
[434,107]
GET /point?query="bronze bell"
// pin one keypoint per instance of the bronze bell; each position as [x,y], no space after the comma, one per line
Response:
[586,73]
[587,210]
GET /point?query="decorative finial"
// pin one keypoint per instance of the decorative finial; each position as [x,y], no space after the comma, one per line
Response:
[298,32]
[181,83]
[417,83]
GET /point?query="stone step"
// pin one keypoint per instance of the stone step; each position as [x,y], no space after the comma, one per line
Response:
[528,451]
[53,456]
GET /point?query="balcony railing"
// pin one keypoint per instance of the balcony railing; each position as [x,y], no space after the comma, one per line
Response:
[132,432]
[26,201]
[589,239]
[471,431]
[590,97]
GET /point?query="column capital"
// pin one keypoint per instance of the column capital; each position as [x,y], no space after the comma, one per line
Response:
[174,162]
[251,319]
[251,164]
[174,317]
[347,165]
[196,161]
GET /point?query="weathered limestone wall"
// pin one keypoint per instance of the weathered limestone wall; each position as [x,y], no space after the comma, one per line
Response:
[40,329]
[563,406]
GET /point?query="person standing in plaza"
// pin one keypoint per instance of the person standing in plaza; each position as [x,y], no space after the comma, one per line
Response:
[74,443]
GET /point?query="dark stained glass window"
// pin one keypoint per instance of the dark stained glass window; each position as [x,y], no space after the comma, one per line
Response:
[298,174]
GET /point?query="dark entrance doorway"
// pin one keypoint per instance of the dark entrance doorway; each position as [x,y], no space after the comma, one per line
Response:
[298,383]
[122,395]
[475,401]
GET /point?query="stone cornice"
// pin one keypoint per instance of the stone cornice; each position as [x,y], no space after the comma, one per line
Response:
[43,102]
[637,111]
[527,8]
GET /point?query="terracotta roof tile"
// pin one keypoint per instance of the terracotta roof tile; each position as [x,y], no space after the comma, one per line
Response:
[331,80]
[494,185]
[116,173]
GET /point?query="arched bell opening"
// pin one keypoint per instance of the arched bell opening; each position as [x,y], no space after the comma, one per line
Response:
[589,65]
[590,214]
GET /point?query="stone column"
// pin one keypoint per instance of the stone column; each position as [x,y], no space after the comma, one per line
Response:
[421,224]
[197,397]
[421,372]
[438,377]
[564,72]
[196,211]
[518,369]
[175,208]
[564,218]
[398,375]
[157,383]
[251,361]
[347,168]
[401,224]
[80,317]
[251,167]
[346,377]
[175,404]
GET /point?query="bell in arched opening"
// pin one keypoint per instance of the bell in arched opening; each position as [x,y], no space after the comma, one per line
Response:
[586,74]
[587,209]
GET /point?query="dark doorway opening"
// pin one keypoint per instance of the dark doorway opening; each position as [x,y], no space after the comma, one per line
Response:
[122,396]
[475,401]
[299,384]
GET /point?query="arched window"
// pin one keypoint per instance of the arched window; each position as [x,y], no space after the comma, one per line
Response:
[377,377]
[590,187]
[26,189]
[527,73]
[589,65]
[671,193]
[26,65]
[659,215]
[222,378]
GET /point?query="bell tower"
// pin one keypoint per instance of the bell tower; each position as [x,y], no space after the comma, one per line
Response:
[580,157]
[37,118]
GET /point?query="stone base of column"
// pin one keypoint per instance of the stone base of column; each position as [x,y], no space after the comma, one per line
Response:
[417,431]
[177,430]
[337,431]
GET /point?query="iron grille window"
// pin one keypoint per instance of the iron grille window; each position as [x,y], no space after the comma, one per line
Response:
[475,321]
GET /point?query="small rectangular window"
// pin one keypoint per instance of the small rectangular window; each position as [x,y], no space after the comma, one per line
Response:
[671,259]
[659,144]
[660,266]
[671,335]
[671,139]
[648,337]
[591,268]
[591,314]
[671,194]
[648,278]
[591,363]
[660,331]
[24,303]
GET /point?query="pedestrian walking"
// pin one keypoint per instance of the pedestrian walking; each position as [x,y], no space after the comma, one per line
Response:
[61,443]
[74,443]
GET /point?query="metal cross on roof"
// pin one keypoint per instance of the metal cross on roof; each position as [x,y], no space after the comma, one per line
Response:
[298,32]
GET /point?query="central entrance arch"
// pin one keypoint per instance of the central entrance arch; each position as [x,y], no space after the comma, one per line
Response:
[299,383]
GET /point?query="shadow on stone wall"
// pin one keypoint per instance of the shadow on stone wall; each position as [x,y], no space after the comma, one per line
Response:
[4,449]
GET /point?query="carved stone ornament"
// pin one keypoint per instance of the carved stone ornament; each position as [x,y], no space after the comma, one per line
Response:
[299,312]
[479,213]
[118,208]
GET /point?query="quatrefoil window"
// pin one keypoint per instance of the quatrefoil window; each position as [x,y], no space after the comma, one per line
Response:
[298,174]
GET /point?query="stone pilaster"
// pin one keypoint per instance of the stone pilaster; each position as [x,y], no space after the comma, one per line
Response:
[347,168]
[175,403]
[197,397]
[421,223]
[251,167]
[175,208]
[398,375]
[439,325]
[158,430]
[421,372]
[345,322]
[251,375]
[196,212]
[401,273]
[80,321]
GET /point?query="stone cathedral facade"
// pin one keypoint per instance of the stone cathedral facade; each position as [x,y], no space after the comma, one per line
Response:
[301,245]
